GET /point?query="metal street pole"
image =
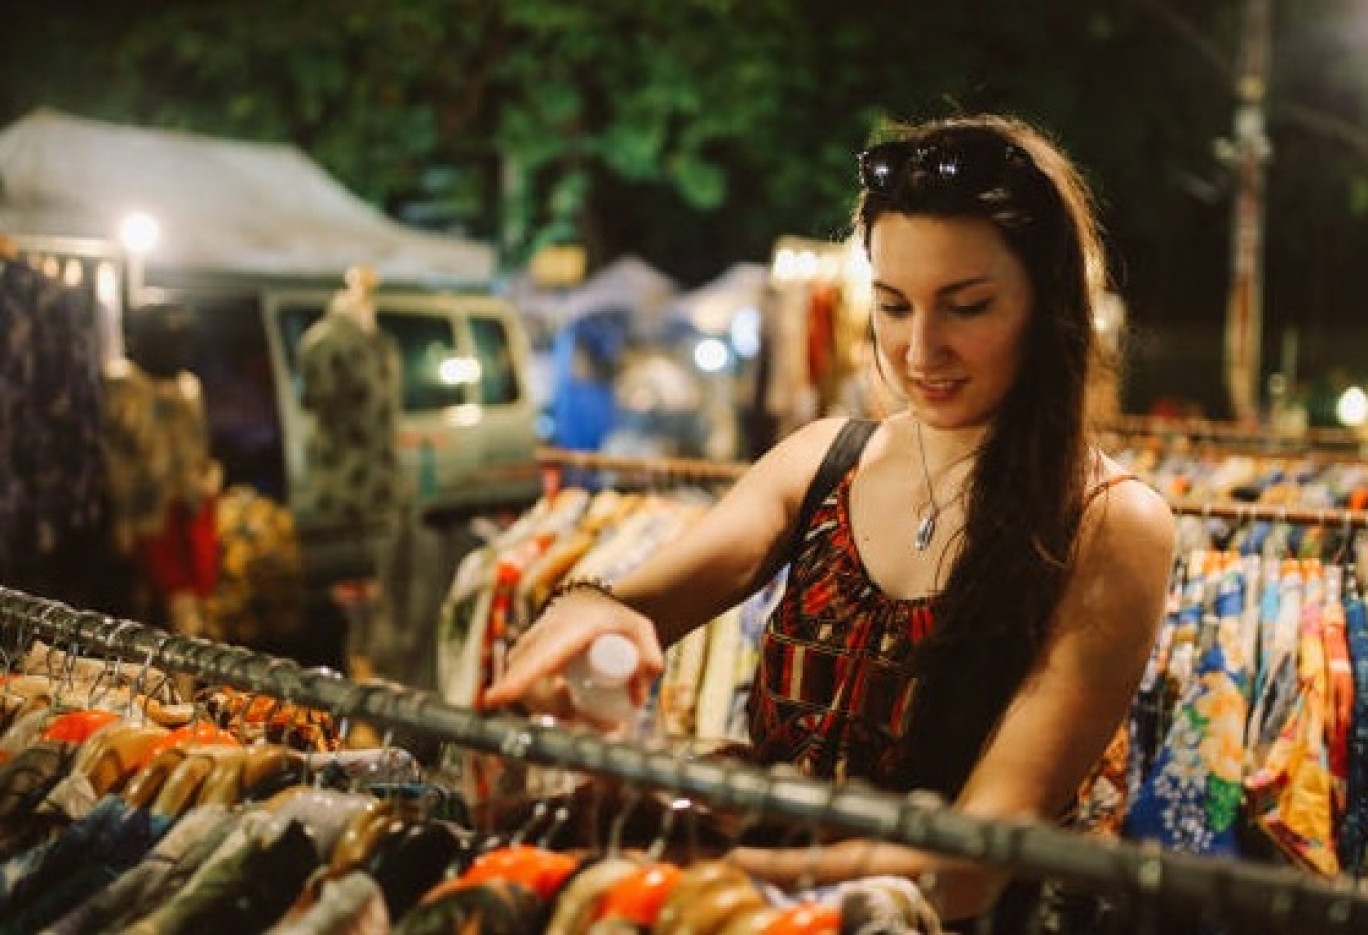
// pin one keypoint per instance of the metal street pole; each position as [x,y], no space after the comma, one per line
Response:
[1250,152]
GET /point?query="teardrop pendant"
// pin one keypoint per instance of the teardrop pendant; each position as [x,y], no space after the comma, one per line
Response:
[926,530]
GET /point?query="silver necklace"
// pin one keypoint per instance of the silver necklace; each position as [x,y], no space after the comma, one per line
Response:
[926,528]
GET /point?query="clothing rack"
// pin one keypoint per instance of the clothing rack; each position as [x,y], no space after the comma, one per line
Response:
[636,471]
[1332,517]
[1271,898]
[1235,434]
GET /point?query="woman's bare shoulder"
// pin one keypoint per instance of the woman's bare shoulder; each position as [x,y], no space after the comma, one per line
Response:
[1124,514]
[801,451]
[1112,482]
[788,468]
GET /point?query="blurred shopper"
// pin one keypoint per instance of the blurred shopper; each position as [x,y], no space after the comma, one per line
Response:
[587,354]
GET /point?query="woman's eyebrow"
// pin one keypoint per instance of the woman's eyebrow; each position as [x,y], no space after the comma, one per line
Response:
[946,289]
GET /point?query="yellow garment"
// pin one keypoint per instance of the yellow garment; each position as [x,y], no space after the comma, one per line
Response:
[1294,791]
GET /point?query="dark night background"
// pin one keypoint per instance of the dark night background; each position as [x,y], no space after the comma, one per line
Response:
[694,133]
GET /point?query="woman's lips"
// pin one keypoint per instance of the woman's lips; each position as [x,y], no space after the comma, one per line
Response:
[937,390]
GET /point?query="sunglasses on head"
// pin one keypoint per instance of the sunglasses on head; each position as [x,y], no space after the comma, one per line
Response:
[978,163]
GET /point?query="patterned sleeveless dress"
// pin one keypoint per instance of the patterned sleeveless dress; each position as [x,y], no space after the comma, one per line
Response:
[836,690]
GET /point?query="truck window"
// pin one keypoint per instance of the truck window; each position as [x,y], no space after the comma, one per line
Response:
[435,374]
[498,381]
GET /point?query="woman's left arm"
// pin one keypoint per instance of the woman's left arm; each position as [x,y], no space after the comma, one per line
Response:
[1061,720]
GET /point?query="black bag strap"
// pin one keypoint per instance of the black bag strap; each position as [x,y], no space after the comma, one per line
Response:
[845,450]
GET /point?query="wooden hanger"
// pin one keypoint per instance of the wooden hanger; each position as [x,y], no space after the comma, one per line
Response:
[147,783]
[366,828]
[113,757]
[183,787]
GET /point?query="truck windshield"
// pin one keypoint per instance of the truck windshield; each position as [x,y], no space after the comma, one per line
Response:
[436,374]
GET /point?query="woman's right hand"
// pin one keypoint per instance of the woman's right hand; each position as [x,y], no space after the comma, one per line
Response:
[566,628]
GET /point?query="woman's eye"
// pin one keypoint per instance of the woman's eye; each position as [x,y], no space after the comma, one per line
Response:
[894,308]
[971,308]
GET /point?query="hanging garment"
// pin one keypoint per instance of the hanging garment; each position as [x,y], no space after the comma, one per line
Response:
[1190,797]
[1149,713]
[162,481]
[1353,835]
[350,905]
[1292,790]
[164,869]
[38,886]
[52,482]
[351,383]
[1276,703]
[156,443]
[259,597]
[1339,676]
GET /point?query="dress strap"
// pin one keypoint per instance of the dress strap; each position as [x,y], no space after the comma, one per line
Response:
[1108,484]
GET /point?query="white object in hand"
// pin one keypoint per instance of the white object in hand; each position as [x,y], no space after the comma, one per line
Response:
[598,677]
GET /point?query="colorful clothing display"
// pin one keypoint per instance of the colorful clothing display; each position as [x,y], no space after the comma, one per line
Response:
[1258,682]
[1190,794]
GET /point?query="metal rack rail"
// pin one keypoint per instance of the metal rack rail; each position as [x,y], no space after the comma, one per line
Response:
[1256,897]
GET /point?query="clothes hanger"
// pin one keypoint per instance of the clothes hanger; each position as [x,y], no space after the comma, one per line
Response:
[639,895]
[143,787]
[182,786]
[708,896]
[110,758]
[167,753]
[576,903]
[365,828]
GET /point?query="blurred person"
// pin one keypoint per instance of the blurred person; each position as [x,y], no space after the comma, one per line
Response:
[970,608]
[163,483]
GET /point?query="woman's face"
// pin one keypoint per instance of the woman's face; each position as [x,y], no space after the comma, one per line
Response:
[951,309]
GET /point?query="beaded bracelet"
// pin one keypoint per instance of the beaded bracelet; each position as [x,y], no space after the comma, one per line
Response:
[568,585]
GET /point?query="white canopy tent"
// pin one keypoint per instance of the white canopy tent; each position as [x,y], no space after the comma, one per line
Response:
[713,306]
[222,206]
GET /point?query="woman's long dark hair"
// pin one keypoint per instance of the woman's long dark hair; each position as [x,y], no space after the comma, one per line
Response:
[1025,497]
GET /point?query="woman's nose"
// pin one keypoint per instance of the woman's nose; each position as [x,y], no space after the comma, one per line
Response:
[925,345]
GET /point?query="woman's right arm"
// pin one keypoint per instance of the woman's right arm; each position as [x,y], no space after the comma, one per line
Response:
[712,566]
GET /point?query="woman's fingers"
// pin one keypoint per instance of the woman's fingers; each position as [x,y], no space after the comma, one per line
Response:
[562,635]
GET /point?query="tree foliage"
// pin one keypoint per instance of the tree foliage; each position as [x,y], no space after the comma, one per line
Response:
[694,132]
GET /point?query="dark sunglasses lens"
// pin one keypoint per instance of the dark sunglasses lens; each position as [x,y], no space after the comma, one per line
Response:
[972,163]
[881,165]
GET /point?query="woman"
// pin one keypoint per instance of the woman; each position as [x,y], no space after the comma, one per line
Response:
[976,599]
